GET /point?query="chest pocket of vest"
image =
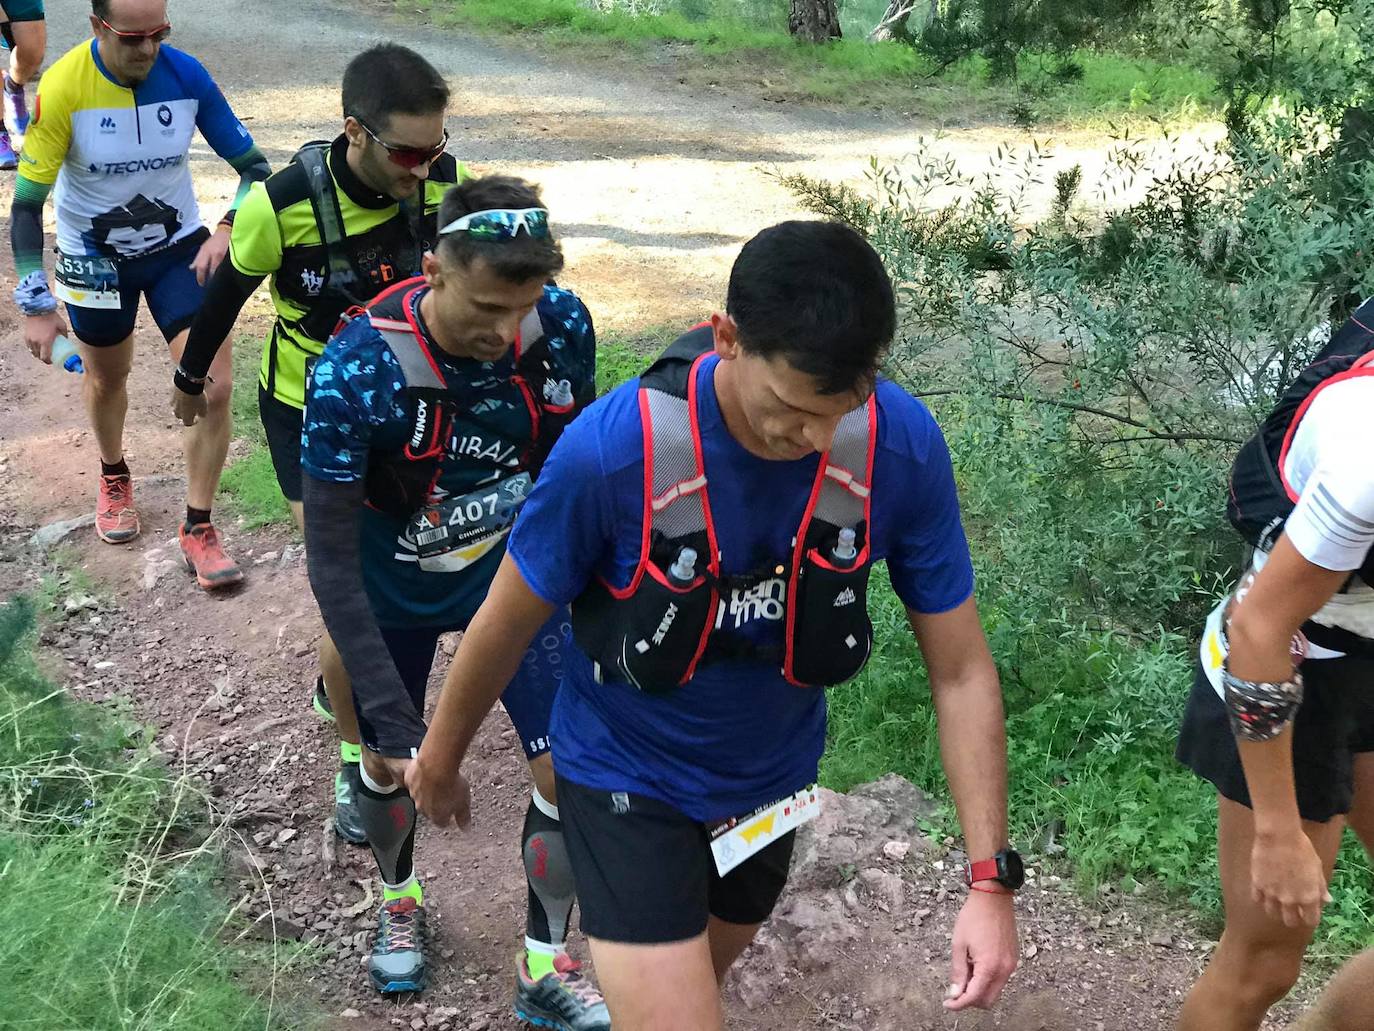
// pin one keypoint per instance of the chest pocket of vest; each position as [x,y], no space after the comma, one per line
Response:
[834,598]
[663,632]
[400,484]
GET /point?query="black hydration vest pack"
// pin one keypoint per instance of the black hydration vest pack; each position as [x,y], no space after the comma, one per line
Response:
[656,632]
[1260,500]
[402,482]
[346,285]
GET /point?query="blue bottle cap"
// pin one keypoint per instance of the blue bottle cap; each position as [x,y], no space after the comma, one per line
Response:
[73,363]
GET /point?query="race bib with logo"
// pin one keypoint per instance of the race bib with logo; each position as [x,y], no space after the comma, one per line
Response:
[734,841]
[453,534]
[90,281]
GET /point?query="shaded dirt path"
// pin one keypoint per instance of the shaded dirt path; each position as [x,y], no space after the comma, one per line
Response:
[653,186]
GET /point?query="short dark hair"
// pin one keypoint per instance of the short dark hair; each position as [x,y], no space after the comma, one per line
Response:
[817,294]
[390,79]
[516,260]
[101,9]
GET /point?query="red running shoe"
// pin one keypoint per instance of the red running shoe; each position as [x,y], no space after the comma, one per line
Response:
[204,556]
[116,519]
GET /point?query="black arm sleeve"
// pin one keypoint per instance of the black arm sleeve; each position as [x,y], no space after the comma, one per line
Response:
[26,229]
[335,566]
[225,296]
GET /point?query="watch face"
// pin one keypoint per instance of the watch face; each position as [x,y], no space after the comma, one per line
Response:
[1011,872]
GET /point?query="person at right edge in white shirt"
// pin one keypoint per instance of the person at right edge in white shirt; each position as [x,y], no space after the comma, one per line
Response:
[1281,716]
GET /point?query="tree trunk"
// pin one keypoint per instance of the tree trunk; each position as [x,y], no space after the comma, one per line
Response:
[814,21]
[892,25]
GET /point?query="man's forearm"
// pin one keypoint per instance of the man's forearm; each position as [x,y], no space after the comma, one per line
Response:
[335,568]
[252,167]
[487,659]
[973,747]
[225,296]
[26,226]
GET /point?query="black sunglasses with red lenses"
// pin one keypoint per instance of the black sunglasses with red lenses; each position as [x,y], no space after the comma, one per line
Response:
[408,157]
[133,39]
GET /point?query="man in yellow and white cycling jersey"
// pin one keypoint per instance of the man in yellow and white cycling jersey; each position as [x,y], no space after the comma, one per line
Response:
[111,131]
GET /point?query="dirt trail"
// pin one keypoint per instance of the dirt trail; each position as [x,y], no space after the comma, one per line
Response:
[653,187]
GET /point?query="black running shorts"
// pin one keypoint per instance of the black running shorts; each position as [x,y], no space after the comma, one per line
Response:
[282,424]
[1334,724]
[645,874]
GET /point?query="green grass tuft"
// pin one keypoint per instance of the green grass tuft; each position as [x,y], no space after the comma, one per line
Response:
[249,482]
[105,872]
[753,36]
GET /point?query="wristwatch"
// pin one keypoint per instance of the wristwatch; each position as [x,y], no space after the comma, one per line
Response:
[1005,868]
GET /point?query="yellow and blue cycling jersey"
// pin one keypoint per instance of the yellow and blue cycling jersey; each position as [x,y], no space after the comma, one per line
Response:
[119,154]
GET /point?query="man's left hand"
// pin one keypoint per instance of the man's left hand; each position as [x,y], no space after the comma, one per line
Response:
[442,794]
[397,768]
[985,950]
[211,253]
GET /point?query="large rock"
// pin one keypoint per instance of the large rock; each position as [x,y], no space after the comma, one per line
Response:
[47,536]
[814,929]
[852,829]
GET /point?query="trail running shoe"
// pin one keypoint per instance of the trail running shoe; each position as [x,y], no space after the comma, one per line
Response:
[348,822]
[397,963]
[323,707]
[116,519]
[8,158]
[564,1000]
[16,110]
[204,556]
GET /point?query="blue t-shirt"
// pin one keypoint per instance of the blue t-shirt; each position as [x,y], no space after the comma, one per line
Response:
[356,406]
[737,735]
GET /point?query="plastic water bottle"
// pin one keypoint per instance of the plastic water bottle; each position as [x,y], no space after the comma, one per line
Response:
[684,570]
[66,354]
[558,393]
[844,553]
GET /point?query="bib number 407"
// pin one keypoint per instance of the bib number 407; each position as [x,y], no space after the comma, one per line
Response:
[474,510]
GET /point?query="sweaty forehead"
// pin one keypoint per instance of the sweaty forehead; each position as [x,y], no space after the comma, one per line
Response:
[407,130]
[133,15]
[801,391]
[483,285]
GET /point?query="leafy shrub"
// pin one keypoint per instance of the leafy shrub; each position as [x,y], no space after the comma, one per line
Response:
[1094,366]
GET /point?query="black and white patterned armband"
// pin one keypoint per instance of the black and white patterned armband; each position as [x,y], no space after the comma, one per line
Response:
[1260,710]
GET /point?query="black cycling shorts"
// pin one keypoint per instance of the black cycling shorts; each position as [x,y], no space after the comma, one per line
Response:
[165,282]
[527,699]
[645,874]
[282,423]
[1334,724]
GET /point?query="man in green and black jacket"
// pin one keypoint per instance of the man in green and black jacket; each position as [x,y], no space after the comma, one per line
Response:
[335,227]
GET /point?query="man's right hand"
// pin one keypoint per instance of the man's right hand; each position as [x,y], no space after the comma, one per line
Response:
[189,407]
[443,796]
[1287,878]
[39,333]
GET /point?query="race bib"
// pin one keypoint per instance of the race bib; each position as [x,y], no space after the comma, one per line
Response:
[734,841]
[455,533]
[87,282]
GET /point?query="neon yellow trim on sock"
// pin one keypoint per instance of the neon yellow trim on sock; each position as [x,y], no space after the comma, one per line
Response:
[538,963]
[411,890]
[350,753]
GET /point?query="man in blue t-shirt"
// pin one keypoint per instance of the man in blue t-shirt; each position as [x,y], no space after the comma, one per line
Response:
[426,419]
[712,525]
